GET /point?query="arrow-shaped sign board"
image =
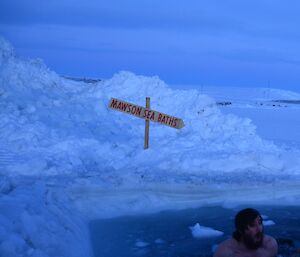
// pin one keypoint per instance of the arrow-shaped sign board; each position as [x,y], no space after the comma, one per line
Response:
[146,113]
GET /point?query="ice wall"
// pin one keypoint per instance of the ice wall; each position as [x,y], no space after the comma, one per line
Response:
[37,221]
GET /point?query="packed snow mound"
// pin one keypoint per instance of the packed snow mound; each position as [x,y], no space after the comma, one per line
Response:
[22,76]
[51,125]
[6,51]
[37,221]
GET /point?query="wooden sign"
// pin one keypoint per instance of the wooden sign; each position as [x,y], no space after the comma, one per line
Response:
[147,114]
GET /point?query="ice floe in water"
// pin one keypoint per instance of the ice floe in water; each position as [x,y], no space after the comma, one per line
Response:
[203,232]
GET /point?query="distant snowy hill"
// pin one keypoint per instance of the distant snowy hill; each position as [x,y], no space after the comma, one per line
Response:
[250,94]
[245,93]
[58,133]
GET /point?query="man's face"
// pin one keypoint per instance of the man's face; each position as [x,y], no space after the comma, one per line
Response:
[254,234]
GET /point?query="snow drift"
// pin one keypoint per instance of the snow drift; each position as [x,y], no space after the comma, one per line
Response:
[51,125]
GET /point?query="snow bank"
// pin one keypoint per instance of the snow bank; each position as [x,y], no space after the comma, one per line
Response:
[37,221]
[51,125]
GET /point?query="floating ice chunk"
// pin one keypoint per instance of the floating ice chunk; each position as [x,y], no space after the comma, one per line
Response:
[202,232]
[141,244]
[268,222]
[159,241]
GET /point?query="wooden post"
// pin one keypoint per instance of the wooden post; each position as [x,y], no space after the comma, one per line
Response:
[147,114]
[147,124]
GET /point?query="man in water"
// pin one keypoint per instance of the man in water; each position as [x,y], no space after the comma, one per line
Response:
[249,239]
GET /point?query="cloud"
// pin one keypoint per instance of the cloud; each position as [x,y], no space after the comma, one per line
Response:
[256,18]
[119,14]
[192,39]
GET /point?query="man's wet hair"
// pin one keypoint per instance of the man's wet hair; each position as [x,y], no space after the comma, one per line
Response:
[242,220]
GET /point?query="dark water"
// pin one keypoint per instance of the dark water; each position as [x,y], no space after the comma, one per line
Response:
[167,234]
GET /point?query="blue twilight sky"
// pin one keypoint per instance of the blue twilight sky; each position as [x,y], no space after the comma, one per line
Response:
[201,42]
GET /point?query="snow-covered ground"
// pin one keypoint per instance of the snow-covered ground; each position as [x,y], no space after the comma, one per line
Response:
[274,112]
[66,158]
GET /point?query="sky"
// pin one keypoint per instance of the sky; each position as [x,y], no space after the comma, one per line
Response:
[193,42]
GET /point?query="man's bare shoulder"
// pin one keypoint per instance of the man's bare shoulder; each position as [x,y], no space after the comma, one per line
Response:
[230,247]
[269,239]
[226,248]
[270,243]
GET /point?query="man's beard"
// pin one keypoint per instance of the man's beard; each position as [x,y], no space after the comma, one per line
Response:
[253,242]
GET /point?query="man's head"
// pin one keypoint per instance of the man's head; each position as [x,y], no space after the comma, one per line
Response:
[249,228]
